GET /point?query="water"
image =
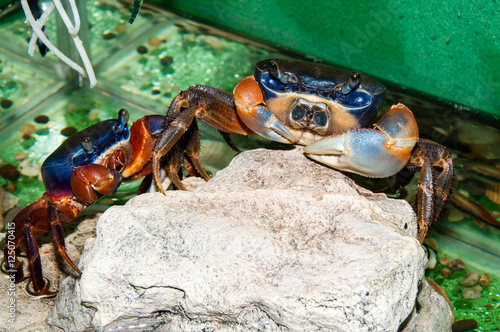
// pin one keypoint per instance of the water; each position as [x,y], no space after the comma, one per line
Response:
[143,66]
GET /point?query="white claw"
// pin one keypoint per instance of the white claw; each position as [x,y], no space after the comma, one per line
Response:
[379,152]
[267,125]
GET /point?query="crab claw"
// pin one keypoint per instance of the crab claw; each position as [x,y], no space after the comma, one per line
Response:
[249,104]
[265,123]
[378,152]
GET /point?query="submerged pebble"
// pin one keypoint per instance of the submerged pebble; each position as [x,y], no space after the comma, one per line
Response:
[68,131]
[444,261]
[94,114]
[484,279]
[464,325]
[29,170]
[43,131]
[431,262]
[457,264]
[141,49]
[9,172]
[166,60]
[41,118]
[6,103]
[108,34]
[431,242]
[120,28]
[28,141]
[10,187]
[155,41]
[470,279]
[454,215]
[28,129]
[472,293]
[21,156]
[445,272]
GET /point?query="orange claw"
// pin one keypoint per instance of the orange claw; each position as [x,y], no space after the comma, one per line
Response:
[253,112]
[88,181]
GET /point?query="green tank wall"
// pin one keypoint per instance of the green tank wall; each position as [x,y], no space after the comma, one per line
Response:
[450,49]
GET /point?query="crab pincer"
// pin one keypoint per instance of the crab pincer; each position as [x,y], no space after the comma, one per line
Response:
[376,152]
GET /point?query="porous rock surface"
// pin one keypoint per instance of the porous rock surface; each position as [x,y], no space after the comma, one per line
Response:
[274,242]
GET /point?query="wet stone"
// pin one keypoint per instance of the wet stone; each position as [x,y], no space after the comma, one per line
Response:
[457,264]
[6,103]
[68,131]
[470,279]
[141,49]
[444,261]
[472,293]
[484,279]
[41,118]
[9,172]
[445,272]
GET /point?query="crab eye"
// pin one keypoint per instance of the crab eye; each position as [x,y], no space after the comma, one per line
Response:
[122,121]
[298,113]
[320,118]
[276,73]
[354,81]
[87,145]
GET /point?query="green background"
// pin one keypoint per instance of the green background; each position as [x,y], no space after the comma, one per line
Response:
[449,50]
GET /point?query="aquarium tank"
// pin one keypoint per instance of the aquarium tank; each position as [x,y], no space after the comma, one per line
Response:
[439,59]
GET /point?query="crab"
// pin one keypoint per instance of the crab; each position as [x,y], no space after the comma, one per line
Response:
[88,165]
[328,110]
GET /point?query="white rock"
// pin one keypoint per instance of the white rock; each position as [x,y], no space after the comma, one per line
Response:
[274,242]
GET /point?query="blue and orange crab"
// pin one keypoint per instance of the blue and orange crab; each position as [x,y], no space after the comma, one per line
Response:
[328,110]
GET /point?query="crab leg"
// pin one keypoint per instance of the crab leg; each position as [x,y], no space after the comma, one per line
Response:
[32,251]
[378,152]
[212,106]
[433,191]
[57,215]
